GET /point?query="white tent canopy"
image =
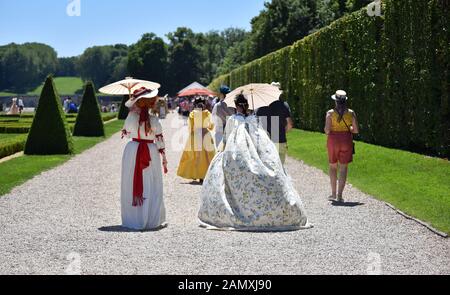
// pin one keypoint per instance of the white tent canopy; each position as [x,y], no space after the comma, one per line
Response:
[194,85]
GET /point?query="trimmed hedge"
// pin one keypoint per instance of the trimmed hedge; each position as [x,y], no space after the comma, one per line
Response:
[9,116]
[8,120]
[9,147]
[89,121]
[109,117]
[17,144]
[50,133]
[29,118]
[395,69]
[25,115]
[25,126]
[22,129]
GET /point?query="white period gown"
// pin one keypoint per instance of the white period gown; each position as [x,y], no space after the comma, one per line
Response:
[152,214]
[246,187]
[14,110]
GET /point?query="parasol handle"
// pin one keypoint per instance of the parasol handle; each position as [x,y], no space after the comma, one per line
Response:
[253,102]
[129,92]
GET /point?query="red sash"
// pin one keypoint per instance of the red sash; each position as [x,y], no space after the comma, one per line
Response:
[143,160]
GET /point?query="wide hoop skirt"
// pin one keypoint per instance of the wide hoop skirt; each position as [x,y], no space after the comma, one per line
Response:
[246,188]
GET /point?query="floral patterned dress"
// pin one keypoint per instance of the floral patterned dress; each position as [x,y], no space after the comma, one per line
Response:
[246,187]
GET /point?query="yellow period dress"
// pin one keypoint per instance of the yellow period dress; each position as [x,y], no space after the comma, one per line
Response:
[199,150]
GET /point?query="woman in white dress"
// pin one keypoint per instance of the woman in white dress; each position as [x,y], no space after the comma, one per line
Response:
[246,187]
[142,174]
[14,110]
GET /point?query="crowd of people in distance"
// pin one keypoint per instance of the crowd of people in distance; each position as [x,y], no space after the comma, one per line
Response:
[69,106]
[111,108]
[17,106]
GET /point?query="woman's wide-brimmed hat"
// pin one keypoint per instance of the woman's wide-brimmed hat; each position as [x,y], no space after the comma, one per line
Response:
[141,93]
[340,95]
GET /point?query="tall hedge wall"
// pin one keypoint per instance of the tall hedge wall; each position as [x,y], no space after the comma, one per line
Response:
[395,69]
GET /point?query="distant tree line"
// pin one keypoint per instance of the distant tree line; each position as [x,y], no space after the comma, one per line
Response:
[283,22]
[186,57]
[25,66]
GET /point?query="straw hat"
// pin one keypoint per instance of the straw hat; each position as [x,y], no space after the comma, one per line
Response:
[340,95]
[276,84]
[141,93]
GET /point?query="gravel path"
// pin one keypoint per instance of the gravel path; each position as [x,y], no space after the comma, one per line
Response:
[67,221]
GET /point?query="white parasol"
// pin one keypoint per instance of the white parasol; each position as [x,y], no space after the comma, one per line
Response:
[128,86]
[258,95]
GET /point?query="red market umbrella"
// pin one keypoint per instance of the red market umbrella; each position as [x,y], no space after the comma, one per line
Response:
[196,92]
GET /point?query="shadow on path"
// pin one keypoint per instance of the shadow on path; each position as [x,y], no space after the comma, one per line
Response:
[121,229]
[346,204]
[194,183]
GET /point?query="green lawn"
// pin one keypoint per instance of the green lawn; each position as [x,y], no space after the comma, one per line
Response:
[7,94]
[17,171]
[64,85]
[6,138]
[13,143]
[416,184]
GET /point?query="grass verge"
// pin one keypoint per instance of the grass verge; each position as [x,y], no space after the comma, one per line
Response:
[17,171]
[415,184]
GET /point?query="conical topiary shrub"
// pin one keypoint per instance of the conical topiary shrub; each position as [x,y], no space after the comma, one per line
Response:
[89,120]
[49,133]
[123,110]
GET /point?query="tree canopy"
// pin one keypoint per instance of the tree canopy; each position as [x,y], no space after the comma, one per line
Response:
[148,59]
[283,22]
[99,63]
[22,67]
[186,57]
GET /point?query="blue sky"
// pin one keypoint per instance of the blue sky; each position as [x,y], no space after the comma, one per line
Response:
[105,22]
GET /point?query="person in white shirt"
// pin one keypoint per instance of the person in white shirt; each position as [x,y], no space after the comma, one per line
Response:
[220,114]
[21,105]
[66,105]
